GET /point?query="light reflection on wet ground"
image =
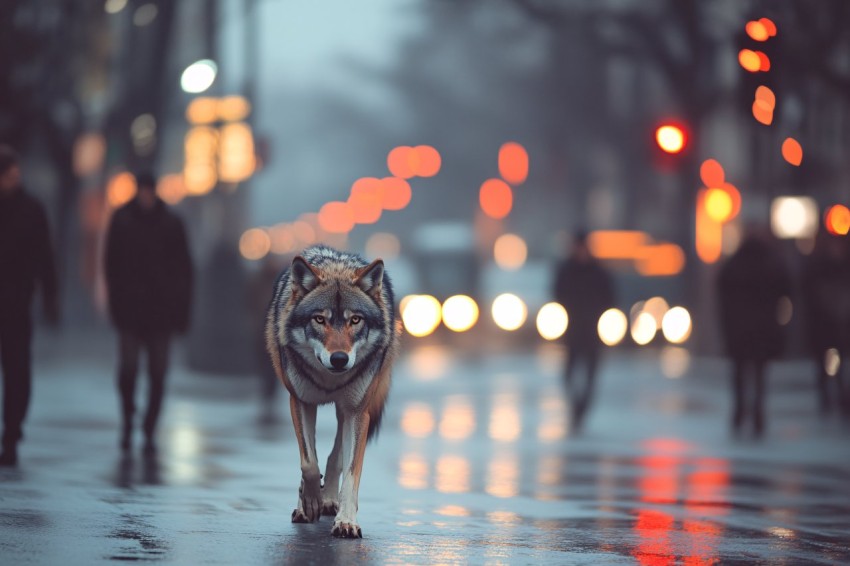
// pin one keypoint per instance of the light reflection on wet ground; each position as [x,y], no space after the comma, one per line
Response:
[475,464]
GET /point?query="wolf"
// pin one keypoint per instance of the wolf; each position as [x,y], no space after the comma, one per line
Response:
[333,335]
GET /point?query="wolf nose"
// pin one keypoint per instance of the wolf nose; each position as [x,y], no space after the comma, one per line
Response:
[339,360]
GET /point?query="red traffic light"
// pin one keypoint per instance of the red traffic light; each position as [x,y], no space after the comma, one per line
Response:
[670,138]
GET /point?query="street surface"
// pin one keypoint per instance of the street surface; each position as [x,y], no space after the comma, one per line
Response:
[475,464]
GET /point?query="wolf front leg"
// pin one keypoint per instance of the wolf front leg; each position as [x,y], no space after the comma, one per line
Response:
[355,429]
[330,491]
[310,493]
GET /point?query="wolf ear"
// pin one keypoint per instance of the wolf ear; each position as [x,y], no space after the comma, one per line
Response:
[303,275]
[371,277]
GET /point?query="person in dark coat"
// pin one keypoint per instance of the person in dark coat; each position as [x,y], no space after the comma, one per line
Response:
[26,261]
[751,285]
[149,282]
[826,295]
[586,290]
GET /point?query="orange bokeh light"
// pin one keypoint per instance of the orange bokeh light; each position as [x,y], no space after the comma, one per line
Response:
[171,188]
[336,218]
[401,162]
[617,244]
[121,189]
[837,220]
[792,151]
[711,173]
[513,163]
[496,198]
[765,95]
[670,138]
[366,200]
[762,113]
[428,161]
[396,193]
[749,60]
[764,61]
[769,26]
[660,260]
[757,30]
[709,233]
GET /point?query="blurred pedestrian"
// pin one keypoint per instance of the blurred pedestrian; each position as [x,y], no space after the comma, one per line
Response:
[751,286]
[26,260]
[586,290]
[826,295]
[149,281]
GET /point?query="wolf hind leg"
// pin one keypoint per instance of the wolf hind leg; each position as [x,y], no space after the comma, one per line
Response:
[330,491]
[309,507]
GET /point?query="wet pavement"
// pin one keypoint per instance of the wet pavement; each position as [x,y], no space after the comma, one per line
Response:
[475,464]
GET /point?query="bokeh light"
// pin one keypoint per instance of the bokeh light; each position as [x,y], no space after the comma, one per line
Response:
[396,193]
[336,218]
[198,76]
[718,204]
[837,220]
[460,313]
[89,153]
[366,199]
[254,244]
[749,60]
[282,239]
[510,252]
[769,25]
[121,189]
[643,328]
[513,163]
[496,198]
[792,151]
[421,315]
[794,217]
[657,307]
[417,420]
[711,173]
[171,188]
[832,362]
[202,110]
[552,321]
[676,325]
[670,138]
[233,108]
[757,31]
[428,161]
[383,245]
[675,361]
[509,311]
[612,327]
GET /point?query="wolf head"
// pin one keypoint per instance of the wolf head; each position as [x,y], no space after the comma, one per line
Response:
[339,318]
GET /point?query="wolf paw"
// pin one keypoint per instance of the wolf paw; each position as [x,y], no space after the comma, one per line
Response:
[298,516]
[330,508]
[346,530]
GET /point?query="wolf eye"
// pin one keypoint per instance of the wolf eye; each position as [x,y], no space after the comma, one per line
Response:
[319,319]
[355,320]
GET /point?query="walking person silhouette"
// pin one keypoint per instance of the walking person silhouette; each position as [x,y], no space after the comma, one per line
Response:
[750,286]
[586,290]
[26,261]
[149,281]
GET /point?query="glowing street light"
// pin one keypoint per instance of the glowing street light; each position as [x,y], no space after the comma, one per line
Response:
[198,76]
